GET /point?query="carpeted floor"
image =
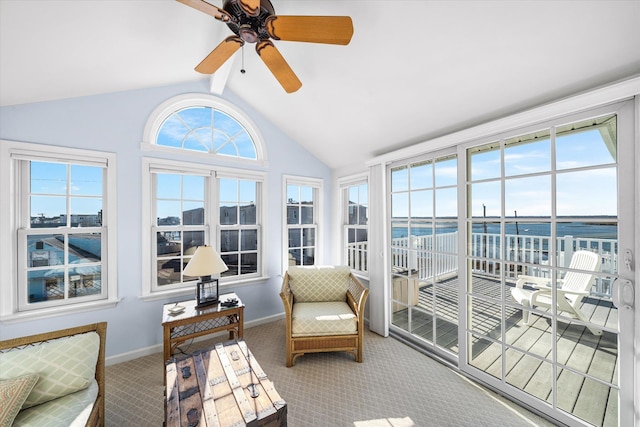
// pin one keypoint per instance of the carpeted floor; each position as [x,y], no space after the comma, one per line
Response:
[395,383]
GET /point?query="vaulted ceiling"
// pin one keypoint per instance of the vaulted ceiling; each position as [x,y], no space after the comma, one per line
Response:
[414,70]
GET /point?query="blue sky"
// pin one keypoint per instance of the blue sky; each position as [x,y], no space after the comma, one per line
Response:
[528,183]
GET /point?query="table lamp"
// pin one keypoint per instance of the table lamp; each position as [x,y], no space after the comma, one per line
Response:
[205,262]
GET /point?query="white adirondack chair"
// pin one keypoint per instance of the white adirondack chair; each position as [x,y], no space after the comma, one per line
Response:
[570,290]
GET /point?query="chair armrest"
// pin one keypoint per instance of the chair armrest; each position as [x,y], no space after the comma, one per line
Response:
[287,297]
[357,296]
[536,282]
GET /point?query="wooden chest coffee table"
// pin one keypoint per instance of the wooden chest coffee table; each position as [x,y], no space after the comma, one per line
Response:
[221,386]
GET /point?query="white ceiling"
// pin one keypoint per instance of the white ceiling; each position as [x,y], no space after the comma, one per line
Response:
[414,70]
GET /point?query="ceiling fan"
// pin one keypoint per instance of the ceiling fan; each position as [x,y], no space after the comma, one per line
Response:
[255,21]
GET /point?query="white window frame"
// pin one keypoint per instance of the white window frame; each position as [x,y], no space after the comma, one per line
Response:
[150,289]
[12,223]
[177,103]
[344,185]
[317,185]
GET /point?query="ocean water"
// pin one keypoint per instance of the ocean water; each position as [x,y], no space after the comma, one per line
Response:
[575,229]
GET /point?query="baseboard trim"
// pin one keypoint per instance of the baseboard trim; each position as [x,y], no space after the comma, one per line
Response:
[157,348]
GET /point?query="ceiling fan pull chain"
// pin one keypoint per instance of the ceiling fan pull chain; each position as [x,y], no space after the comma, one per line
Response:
[242,70]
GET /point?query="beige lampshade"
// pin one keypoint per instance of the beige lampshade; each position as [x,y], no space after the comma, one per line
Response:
[205,262]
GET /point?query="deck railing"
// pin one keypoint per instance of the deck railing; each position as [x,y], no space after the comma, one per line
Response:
[415,254]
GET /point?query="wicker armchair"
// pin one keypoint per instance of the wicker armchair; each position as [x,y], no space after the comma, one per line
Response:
[324,308]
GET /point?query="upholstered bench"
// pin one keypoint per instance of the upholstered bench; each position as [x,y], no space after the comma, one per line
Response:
[324,308]
[54,379]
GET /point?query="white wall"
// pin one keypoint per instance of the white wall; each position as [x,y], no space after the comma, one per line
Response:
[115,123]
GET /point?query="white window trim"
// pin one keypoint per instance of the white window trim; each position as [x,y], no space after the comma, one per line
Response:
[343,184]
[214,172]
[318,184]
[176,103]
[9,221]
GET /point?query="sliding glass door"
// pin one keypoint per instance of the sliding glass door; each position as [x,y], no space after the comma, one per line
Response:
[545,227]
[424,242]
[518,287]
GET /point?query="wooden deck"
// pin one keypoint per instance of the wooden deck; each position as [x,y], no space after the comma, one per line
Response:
[527,360]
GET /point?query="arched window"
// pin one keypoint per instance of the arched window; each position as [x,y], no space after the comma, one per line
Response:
[205,124]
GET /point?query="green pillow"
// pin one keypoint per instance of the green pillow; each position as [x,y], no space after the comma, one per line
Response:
[13,393]
[64,365]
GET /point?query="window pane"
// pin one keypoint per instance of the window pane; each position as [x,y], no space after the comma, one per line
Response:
[169,212]
[232,263]
[169,243]
[85,248]
[446,172]
[528,196]
[293,193]
[169,271]
[295,237]
[47,211]
[168,186]
[577,191]
[191,240]
[308,256]
[228,190]
[85,281]
[485,161]
[193,187]
[249,263]
[249,240]
[44,285]
[248,191]
[421,175]
[400,179]
[400,205]
[86,180]
[306,195]
[293,215]
[85,211]
[447,203]
[229,240]
[248,214]
[228,215]
[45,250]
[295,257]
[308,237]
[485,199]
[48,178]
[422,204]
[193,213]
[527,154]
[306,215]
[587,143]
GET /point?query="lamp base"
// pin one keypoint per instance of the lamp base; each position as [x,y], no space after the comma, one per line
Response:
[207,303]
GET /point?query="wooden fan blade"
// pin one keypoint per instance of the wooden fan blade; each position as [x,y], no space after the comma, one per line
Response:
[278,66]
[250,7]
[219,55]
[208,8]
[313,29]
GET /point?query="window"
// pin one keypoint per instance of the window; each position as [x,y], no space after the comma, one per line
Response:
[203,125]
[355,204]
[239,226]
[60,212]
[302,211]
[191,205]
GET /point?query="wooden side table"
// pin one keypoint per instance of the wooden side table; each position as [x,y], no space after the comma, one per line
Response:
[192,322]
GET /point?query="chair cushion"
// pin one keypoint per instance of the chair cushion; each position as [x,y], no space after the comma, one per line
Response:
[71,410]
[13,393]
[65,365]
[319,283]
[322,318]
